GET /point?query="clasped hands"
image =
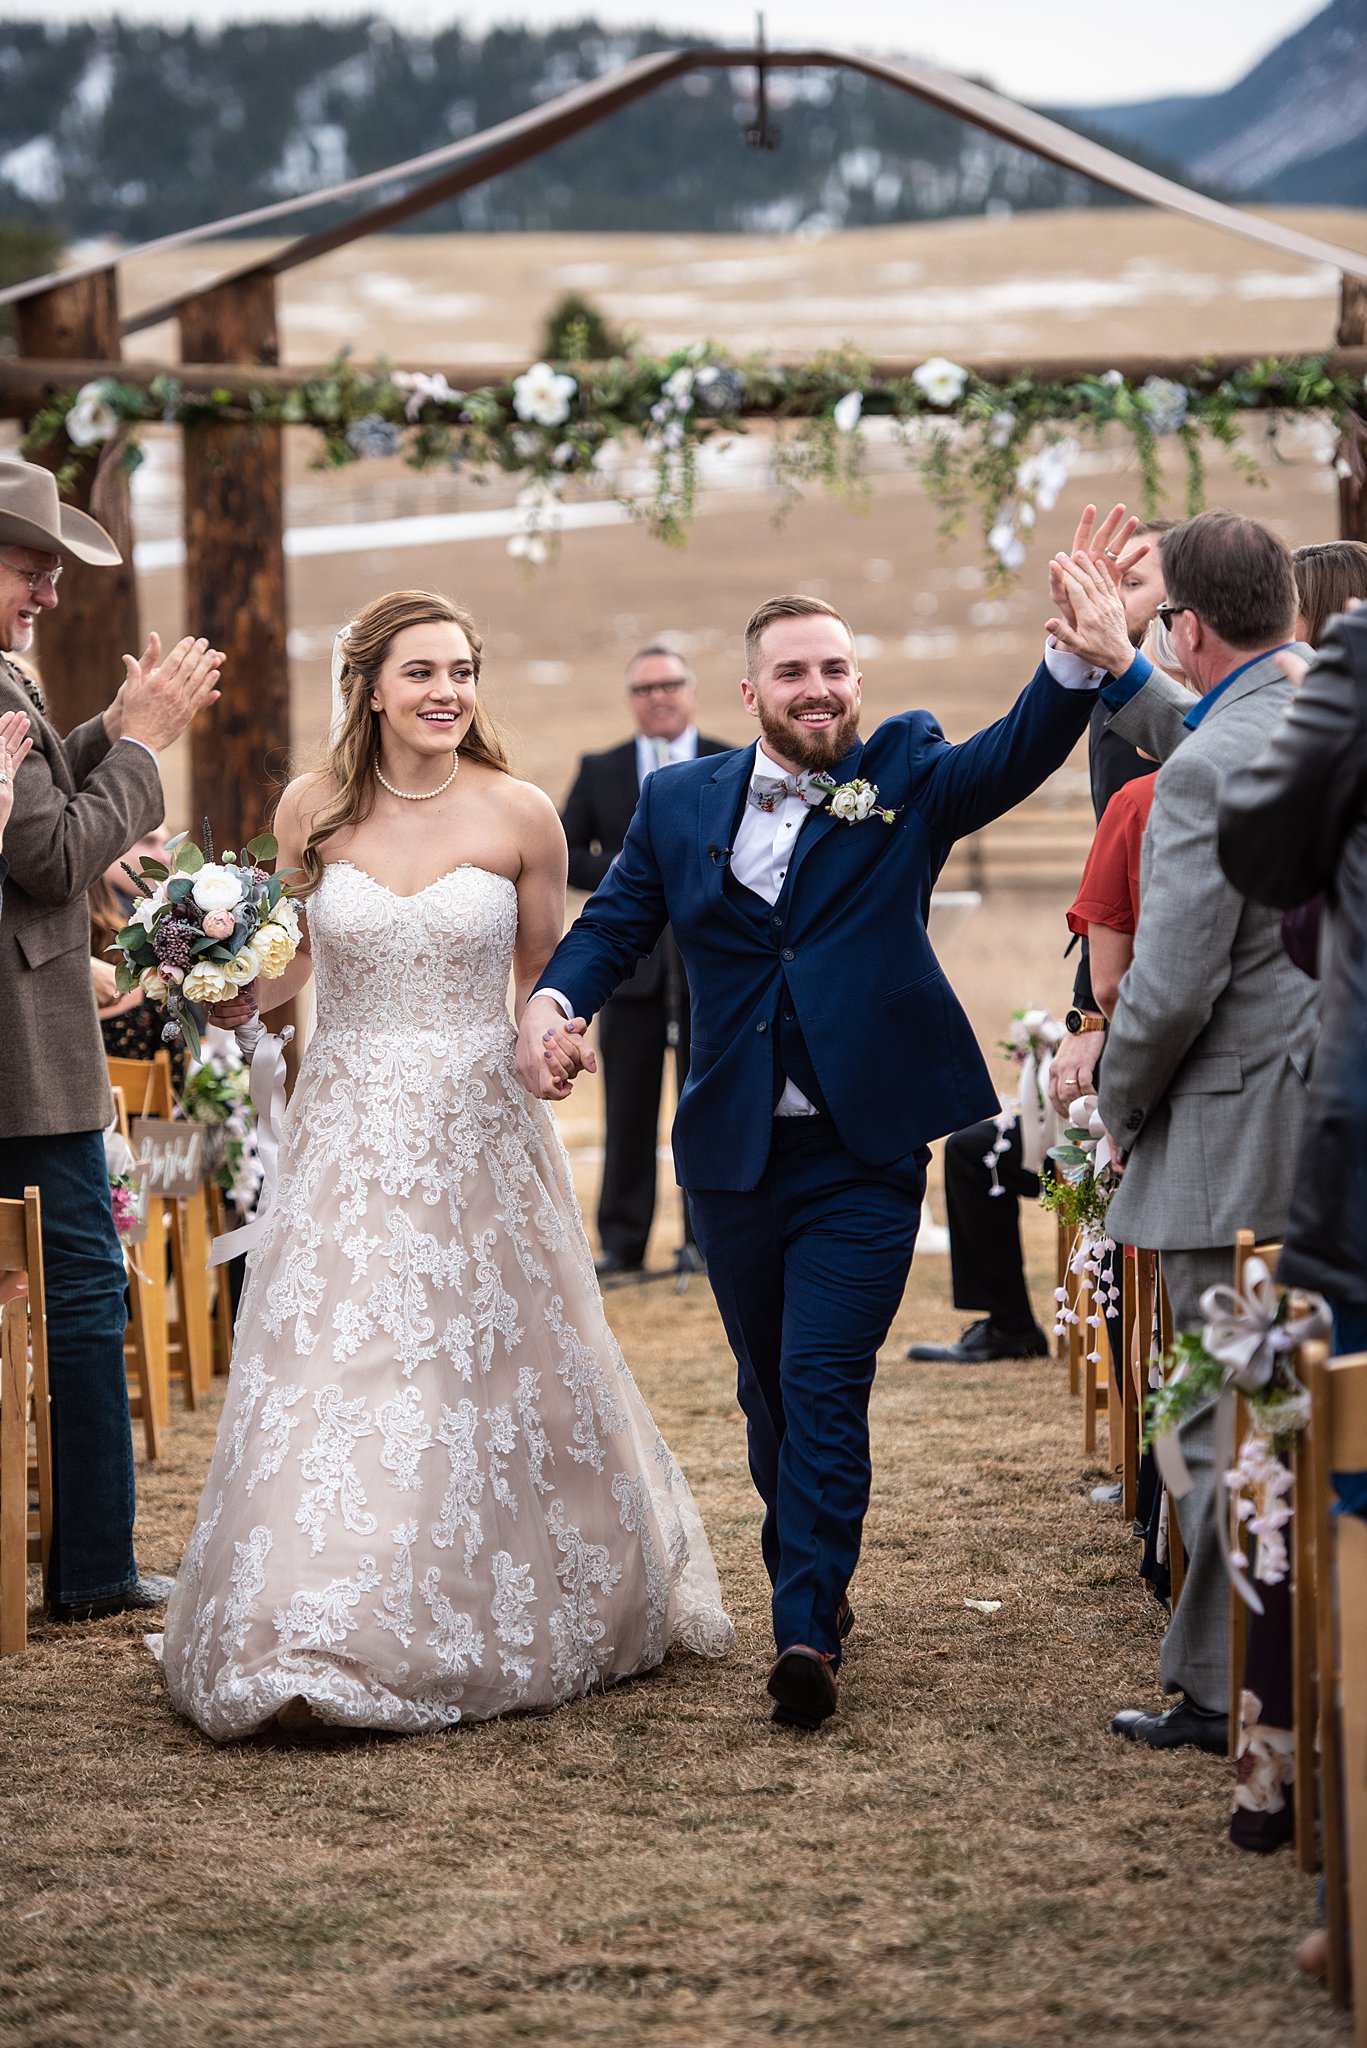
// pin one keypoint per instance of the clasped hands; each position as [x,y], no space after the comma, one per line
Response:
[551,1050]
[1085,586]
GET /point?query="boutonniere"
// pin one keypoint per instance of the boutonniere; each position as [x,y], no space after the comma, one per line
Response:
[853,801]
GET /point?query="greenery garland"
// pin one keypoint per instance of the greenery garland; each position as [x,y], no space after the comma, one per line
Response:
[1004,447]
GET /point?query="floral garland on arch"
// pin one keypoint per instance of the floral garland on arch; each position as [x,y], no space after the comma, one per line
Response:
[1006,448]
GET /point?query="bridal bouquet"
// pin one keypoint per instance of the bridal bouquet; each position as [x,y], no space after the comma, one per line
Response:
[203,928]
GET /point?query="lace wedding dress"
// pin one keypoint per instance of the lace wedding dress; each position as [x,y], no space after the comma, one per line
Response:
[437,1494]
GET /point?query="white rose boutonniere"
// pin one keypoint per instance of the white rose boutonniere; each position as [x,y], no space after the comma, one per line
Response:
[853,801]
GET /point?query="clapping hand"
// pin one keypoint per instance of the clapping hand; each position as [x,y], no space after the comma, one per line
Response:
[14,745]
[1110,547]
[158,699]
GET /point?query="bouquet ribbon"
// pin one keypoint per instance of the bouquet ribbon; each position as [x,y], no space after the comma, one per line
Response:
[1243,1335]
[1039,1121]
[264,1052]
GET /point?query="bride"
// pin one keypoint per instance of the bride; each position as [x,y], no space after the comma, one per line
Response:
[437,1493]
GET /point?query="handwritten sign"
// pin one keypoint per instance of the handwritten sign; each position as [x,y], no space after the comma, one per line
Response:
[170,1156]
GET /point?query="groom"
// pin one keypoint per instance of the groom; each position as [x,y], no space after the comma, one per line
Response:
[828,1049]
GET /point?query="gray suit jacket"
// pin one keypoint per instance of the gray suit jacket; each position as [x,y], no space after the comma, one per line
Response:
[79,804]
[1204,1076]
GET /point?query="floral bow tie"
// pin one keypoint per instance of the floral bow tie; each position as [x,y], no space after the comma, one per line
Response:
[767,792]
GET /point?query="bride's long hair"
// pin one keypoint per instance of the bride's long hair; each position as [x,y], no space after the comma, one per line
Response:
[353,748]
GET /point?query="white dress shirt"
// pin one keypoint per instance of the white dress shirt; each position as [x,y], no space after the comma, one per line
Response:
[762,849]
[653,754]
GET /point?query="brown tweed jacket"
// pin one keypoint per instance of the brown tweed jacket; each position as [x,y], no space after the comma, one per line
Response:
[79,804]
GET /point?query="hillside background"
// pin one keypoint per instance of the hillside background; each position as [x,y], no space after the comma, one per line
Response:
[262,111]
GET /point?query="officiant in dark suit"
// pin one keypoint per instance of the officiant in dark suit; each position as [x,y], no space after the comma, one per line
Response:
[648,1016]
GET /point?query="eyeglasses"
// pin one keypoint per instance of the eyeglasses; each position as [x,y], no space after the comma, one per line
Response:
[1168,612]
[36,579]
[664,689]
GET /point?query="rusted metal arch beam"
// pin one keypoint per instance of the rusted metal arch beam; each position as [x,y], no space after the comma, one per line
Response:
[26,383]
[479,157]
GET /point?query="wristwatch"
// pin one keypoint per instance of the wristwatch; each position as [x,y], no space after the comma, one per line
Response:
[1075,1022]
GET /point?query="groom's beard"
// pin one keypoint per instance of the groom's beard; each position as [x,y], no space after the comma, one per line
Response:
[812,751]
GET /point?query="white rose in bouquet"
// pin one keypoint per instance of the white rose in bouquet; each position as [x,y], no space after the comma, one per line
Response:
[217,888]
[243,967]
[147,907]
[274,949]
[152,986]
[206,982]
[853,802]
[286,915]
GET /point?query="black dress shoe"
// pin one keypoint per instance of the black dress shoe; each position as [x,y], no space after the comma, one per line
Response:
[151,1590]
[844,1618]
[802,1687]
[1185,1726]
[615,1266]
[981,1342]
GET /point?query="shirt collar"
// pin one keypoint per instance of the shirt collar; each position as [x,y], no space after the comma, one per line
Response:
[1202,705]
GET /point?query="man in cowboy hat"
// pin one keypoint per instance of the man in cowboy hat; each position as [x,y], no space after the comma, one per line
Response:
[80,804]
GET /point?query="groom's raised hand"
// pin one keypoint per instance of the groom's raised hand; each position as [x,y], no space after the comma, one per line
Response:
[551,1050]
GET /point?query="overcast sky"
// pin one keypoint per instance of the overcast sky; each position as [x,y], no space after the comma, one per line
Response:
[1070,52]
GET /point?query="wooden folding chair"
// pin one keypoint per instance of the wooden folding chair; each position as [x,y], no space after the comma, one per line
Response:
[1338,1426]
[1136,1344]
[220,1293]
[148,1092]
[1063,1251]
[1305,1608]
[144,1339]
[1177,1556]
[1245,1248]
[25,1532]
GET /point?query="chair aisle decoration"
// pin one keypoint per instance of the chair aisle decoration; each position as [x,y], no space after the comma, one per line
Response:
[25,1530]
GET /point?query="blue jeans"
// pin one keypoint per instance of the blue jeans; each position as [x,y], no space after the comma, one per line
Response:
[92,1439]
[808,1270]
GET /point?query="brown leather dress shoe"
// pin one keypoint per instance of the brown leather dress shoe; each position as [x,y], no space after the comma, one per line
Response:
[802,1687]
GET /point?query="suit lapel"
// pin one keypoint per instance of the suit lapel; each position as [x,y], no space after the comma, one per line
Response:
[717,808]
[819,823]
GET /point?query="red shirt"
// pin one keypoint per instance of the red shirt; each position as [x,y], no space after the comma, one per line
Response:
[1109,890]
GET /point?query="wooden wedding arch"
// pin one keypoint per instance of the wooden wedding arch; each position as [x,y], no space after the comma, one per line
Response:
[70,332]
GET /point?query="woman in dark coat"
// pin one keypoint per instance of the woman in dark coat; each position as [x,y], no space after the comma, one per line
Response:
[1293,823]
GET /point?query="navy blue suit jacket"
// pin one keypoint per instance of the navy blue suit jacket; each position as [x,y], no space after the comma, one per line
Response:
[893,1051]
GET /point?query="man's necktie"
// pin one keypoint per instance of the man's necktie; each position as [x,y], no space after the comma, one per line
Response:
[767,792]
[661,753]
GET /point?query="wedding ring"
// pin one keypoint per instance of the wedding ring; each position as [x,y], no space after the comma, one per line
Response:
[3,778]
[1112,554]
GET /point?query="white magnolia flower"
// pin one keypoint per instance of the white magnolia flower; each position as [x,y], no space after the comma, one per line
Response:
[1004,542]
[1112,379]
[847,411]
[207,982]
[1043,476]
[540,497]
[92,418]
[1000,427]
[543,395]
[274,948]
[1165,403]
[939,380]
[528,547]
[217,888]
[678,386]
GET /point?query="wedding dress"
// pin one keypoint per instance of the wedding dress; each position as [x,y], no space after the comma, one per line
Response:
[437,1493]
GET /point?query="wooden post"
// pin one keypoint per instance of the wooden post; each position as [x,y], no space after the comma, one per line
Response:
[1353,487]
[235,571]
[79,644]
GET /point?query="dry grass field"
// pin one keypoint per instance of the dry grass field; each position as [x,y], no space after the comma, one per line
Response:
[965,1856]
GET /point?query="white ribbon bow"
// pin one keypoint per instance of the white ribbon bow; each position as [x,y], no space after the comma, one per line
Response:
[264,1052]
[1242,1333]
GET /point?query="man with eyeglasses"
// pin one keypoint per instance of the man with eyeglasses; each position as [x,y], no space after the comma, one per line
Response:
[648,1016]
[80,803]
[1204,1081]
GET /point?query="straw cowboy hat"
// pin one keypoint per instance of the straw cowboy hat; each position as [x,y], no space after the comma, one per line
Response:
[32,516]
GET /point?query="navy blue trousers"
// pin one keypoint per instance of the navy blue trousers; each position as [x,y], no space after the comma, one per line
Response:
[92,1441]
[808,1270]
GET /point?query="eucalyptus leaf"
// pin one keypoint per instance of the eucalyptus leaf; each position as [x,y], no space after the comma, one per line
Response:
[157,869]
[189,860]
[178,889]
[264,847]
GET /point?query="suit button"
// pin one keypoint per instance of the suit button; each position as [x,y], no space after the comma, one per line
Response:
[776,922]
[761,1026]
[788,954]
[1134,1120]
[790,1016]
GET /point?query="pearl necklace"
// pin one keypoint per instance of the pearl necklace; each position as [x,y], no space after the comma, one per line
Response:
[419,796]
